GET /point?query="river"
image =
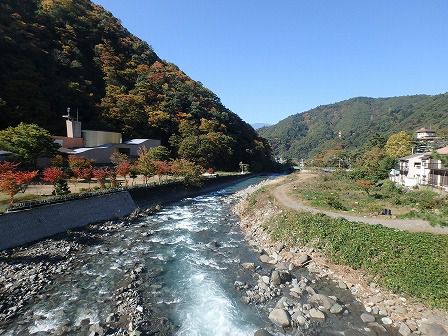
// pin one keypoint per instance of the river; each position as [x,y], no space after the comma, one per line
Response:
[191,252]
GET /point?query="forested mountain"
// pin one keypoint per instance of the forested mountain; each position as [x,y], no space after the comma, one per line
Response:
[56,54]
[358,119]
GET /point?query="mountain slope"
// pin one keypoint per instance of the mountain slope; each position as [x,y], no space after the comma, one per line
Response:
[72,53]
[358,119]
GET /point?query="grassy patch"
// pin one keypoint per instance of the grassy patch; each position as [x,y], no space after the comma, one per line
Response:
[4,201]
[337,192]
[256,196]
[411,263]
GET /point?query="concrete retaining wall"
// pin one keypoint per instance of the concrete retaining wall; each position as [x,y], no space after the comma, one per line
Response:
[23,227]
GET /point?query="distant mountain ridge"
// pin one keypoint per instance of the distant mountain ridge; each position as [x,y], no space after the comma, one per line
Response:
[259,125]
[357,119]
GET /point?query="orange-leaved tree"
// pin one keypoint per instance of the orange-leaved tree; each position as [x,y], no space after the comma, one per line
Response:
[12,181]
[100,174]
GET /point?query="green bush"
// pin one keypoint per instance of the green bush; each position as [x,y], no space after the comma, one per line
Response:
[411,263]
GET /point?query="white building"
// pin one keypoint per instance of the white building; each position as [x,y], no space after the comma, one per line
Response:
[421,169]
[425,134]
[98,145]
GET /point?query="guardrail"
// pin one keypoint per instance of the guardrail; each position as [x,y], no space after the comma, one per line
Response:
[24,205]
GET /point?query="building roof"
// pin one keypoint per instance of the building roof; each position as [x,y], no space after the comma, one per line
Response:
[135,141]
[426,130]
[413,156]
[3,152]
[443,150]
[86,149]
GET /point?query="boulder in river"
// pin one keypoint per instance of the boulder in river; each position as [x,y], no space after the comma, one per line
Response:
[280,317]
[262,332]
[248,266]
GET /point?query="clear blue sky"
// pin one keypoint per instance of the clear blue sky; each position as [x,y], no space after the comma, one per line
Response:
[270,59]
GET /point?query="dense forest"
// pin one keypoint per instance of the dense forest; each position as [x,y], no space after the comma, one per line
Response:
[72,53]
[358,120]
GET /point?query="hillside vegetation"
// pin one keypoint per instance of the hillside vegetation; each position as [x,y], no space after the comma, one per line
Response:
[305,134]
[65,53]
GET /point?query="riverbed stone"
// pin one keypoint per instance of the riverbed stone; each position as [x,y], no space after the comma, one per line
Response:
[404,330]
[248,266]
[386,320]
[316,314]
[433,329]
[265,258]
[280,317]
[275,278]
[262,332]
[303,259]
[366,318]
[336,308]
[322,300]
[377,328]
[279,247]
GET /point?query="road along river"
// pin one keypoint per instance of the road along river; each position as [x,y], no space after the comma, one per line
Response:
[173,272]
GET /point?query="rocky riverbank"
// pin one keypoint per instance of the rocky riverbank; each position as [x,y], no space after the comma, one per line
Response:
[29,272]
[288,276]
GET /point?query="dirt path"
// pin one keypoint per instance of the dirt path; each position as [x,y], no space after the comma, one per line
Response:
[282,194]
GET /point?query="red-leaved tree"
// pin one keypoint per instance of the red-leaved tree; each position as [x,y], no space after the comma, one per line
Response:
[123,169]
[161,168]
[12,181]
[100,174]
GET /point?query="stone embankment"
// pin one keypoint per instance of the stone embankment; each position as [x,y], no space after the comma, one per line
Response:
[301,307]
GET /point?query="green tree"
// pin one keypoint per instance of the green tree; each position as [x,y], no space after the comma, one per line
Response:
[398,145]
[28,142]
[159,153]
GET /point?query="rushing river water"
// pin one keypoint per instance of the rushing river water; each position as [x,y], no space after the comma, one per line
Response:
[194,282]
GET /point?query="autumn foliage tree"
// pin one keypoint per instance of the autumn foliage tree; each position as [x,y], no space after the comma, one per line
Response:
[398,145]
[56,176]
[13,181]
[189,171]
[161,168]
[123,169]
[100,174]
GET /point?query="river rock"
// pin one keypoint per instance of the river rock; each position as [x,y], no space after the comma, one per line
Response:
[404,330]
[299,318]
[265,279]
[262,332]
[386,320]
[275,278]
[248,266]
[282,266]
[322,300]
[336,308]
[280,317]
[433,329]
[377,328]
[96,330]
[316,314]
[366,318]
[279,246]
[265,258]
[303,259]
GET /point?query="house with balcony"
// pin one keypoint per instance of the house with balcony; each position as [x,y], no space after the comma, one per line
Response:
[421,169]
